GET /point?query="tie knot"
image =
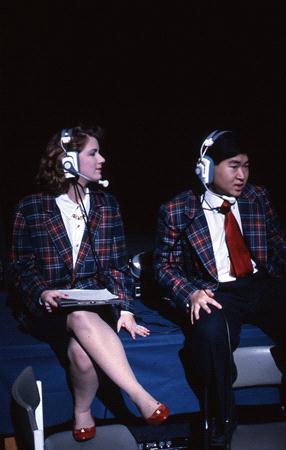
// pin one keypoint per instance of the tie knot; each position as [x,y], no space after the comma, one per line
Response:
[225,207]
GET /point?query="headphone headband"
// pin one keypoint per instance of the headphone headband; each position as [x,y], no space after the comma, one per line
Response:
[212,137]
[66,135]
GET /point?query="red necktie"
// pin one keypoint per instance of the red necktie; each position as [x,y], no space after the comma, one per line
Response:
[239,255]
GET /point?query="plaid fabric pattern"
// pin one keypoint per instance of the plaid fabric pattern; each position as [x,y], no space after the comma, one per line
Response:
[184,259]
[41,254]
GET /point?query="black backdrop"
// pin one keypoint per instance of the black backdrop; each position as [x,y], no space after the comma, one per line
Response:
[158,78]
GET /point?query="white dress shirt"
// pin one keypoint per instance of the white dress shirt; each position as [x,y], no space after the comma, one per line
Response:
[73,217]
[215,221]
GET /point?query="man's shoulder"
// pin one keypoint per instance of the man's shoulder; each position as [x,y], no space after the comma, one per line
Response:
[252,191]
[182,201]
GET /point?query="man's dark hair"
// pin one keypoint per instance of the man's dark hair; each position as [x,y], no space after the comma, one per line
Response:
[226,146]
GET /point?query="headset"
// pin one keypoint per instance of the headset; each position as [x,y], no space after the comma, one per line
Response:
[71,168]
[205,165]
[70,161]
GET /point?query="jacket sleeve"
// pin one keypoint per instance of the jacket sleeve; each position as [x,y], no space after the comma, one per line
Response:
[169,261]
[24,272]
[276,238]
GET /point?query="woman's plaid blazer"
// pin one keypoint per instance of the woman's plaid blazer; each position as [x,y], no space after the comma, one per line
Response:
[41,253]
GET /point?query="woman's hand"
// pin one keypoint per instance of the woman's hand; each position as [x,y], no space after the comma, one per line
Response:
[128,322]
[50,299]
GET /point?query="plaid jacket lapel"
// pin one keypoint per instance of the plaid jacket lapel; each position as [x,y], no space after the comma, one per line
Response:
[199,236]
[254,227]
[94,219]
[57,232]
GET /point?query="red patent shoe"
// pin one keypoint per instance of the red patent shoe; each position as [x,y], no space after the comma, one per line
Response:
[159,415]
[84,434]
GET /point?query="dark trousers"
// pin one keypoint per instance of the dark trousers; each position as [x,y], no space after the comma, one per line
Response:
[257,299]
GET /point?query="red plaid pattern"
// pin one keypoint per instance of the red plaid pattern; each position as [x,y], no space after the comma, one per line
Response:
[41,254]
[184,258]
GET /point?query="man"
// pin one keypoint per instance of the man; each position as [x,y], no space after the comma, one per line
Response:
[221,254]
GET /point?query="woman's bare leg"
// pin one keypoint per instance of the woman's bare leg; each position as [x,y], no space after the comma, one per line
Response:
[85,383]
[105,348]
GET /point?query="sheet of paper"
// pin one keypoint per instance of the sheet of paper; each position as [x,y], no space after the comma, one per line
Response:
[88,294]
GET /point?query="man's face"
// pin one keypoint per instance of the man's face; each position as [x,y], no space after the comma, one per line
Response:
[231,175]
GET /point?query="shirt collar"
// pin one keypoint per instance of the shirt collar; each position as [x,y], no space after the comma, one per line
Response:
[69,207]
[215,201]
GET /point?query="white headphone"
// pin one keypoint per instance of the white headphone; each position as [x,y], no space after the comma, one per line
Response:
[70,161]
[205,165]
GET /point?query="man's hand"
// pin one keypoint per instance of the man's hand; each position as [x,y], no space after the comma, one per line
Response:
[201,299]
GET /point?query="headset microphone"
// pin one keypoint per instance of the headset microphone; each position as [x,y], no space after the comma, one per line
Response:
[104,183]
[73,173]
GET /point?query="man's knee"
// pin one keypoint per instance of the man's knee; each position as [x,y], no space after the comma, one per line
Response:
[210,327]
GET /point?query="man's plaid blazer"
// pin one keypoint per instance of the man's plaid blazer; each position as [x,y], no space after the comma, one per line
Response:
[41,253]
[184,258]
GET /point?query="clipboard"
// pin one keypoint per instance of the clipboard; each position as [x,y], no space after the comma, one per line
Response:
[88,297]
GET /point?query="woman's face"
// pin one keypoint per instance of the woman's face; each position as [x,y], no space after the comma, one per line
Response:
[90,161]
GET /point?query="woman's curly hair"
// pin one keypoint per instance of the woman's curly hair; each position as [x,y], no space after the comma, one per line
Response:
[51,173]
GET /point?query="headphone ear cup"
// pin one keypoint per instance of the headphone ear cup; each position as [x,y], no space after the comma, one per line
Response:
[205,170]
[70,164]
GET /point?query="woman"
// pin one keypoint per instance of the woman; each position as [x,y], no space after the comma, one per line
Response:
[71,237]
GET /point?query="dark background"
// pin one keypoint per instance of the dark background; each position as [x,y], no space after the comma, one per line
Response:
[158,78]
